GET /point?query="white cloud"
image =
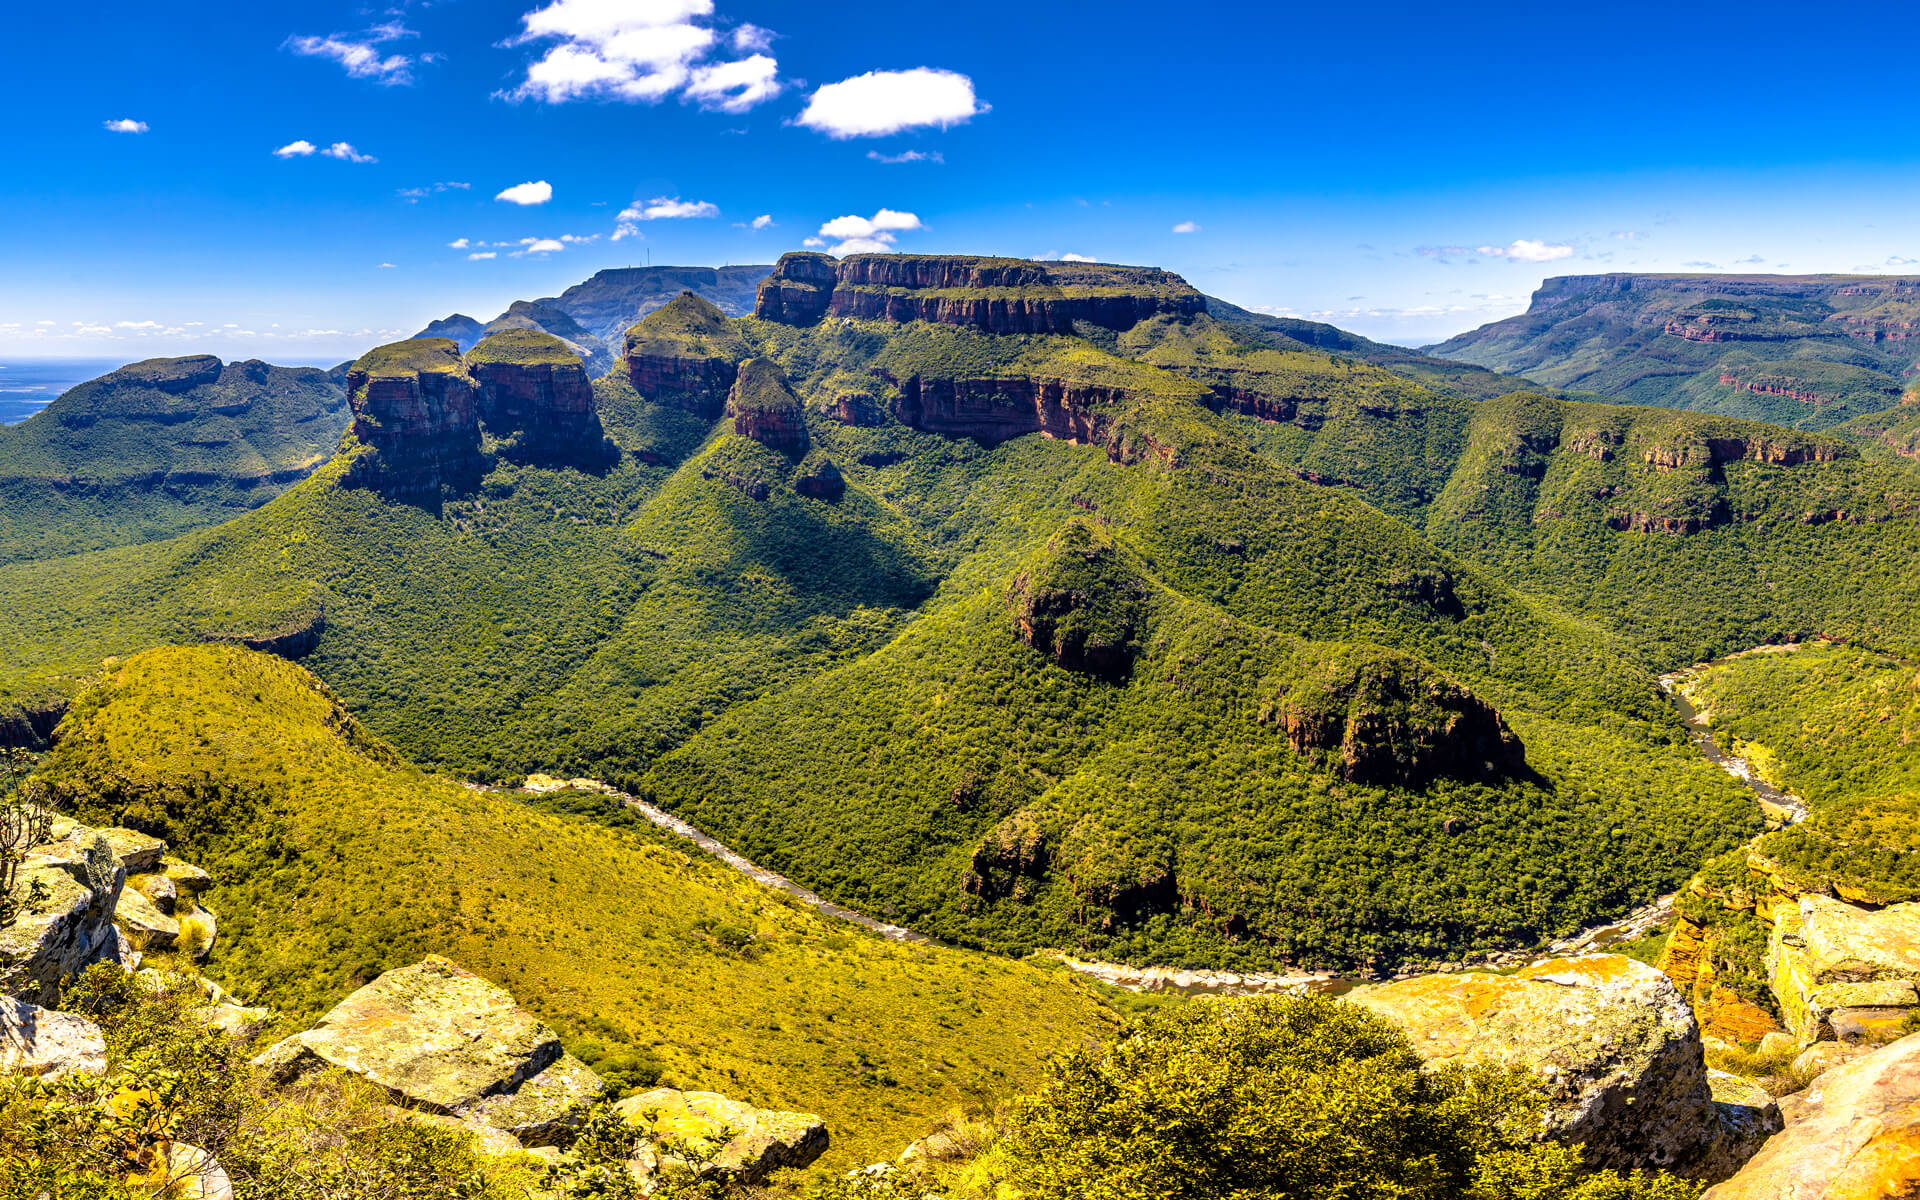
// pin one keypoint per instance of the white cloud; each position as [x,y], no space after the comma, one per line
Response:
[813,243]
[532,192]
[1524,250]
[386,266]
[909,156]
[576,239]
[459,244]
[359,53]
[1900,260]
[477,255]
[136,324]
[735,86]
[866,235]
[1186,227]
[882,102]
[765,221]
[299,149]
[1078,258]
[415,195]
[127,125]
[643,50]
[345,152]
[662,208]
[542,245]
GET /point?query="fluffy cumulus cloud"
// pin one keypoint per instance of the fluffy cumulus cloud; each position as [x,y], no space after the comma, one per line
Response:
[345,152]
[537,191]
[458,244]
[765,220]
[299,149]
[1078,258]
[360,53]
[644,50]
[1523,250]
[126,125]
[865,235]
[1187,227]
[883,102]
[660,208]
[540,246]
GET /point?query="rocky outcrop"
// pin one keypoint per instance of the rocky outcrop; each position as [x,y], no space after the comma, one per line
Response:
[1387,719]
[77,879]
[415,408]
[747,1143]
[1004,296]
[1082,603]
[1843,973]
[294,639]
[444,1040]
[31,726]
[765,409]
[1687,959]
[534,317]
[534,391]
[1854,1134]
[614,300]
[39,1041]
[1610,1040]
[994,409]
[684,355]
[819,478]
[1781,450]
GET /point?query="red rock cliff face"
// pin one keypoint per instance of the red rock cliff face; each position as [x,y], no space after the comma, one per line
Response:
[765,409]
[423,427]
[698,385]
[993,410]
[805,287]
[1713,452]
[549,405]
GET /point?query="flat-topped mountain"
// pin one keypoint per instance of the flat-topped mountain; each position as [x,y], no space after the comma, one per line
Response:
[159,447]
[1809,351]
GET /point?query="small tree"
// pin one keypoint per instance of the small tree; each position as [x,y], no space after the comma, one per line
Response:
[25,821]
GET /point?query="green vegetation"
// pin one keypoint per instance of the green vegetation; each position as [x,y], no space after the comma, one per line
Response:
[158,448]
[412,357]
[686,326]
[334,860]
[1281,1098]
[176,1084]
[523,346]
[761,388]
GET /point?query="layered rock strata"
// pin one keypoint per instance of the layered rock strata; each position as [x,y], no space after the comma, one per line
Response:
[684,355]
[765,409]
[416,409]
[533,389]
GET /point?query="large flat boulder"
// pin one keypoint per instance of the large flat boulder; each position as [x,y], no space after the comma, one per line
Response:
[1844,973]
[1612,1042]
[1854,1134]
[747,1142]
[40,1041]
[442,1039]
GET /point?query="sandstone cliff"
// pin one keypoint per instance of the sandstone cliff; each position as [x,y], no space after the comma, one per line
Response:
[764,407]
[998,295]
[534,390]
[415,409]
[685,355]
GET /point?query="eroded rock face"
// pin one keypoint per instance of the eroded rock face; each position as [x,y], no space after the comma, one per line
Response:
[1005,296]
[761,1139]
[1844,973]
[1854,1134]
[765,409]
[534,390]
[995,409]
[443,1039]
[684,355]
[72,928]
[49,1044]
[415,405]
[1610,1039]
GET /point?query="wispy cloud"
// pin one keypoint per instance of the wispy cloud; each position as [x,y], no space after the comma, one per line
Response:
[1187,227]
[907,156]
[345,152]
[1524,250]
[660,208]
[883,102]
[477,255]
[360,53]
[126,125]
[646,51]
[415,195]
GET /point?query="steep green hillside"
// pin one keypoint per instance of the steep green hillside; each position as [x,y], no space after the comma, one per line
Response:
[1227,663]
[334,859]
[158,448]
[1806,351]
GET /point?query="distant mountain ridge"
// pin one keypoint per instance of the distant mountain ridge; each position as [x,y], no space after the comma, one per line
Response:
[1808,351]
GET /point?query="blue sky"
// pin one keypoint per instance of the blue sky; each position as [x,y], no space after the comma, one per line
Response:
[1404,171]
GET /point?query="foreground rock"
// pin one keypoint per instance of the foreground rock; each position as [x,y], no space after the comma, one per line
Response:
[442,1039]
[1611,1040]
[39,1041]
[73,885]
[1853,1135]
[1843,973]
[757,1141]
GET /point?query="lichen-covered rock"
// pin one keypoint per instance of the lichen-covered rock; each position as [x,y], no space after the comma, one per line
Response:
[144,924]
[1854,1134]
[758,1140]
[40,1041]
[71,927]
[443,1039]
[1611,1040]
[1835,966]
